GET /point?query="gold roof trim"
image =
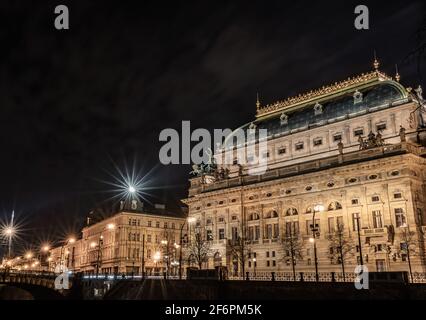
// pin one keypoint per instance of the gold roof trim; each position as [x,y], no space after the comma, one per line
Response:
[322,92]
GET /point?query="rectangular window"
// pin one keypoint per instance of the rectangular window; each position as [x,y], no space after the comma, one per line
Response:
[359,132]
[235,161]
[149,223]
[267,254]
[148,238]
[400,218]
[209,235]
[273,254]
[339,221]
[331,225]
[380,265]
[268,264]
[356,219]
[274,263]
[234,233]
[381,126]
[354,202]
[337,137]
[165,225]
[397,195]
[268,231]
[299,146]
[221,234]
[377,219]
[281,150]
[276,231]
[250,233]
[375,198]
[317,142]
[257,232]
[157,224]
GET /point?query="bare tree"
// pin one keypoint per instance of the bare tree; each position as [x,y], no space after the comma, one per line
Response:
[340,246]
[293,245]
[408,246]
[198,250]
[240,251]
[168,247]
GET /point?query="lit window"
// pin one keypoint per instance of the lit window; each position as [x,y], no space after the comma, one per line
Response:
[400,218]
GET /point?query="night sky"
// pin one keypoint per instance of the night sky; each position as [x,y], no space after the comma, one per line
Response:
[74,102]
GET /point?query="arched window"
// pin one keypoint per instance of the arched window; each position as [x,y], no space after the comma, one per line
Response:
[334,205]
[291,212]
[274,214]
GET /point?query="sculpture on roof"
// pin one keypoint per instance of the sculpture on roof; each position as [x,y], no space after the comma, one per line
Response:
[372,141]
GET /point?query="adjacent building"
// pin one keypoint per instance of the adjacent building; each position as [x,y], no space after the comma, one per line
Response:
[134,239]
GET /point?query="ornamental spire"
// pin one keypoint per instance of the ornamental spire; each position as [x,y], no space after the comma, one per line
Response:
[257,101]
[376,62]
[397,76]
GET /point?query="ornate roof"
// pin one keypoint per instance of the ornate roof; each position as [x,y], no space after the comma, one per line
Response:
[343,100]
[322,93]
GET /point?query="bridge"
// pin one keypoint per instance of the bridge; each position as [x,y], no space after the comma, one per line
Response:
[35,284]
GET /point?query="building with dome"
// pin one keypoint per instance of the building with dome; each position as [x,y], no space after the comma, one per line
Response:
[345,182]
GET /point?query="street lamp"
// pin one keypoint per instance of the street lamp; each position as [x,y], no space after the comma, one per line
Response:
[131,189]
[357,217]
[189,220]
[254,266]
[315,232]
[157,256]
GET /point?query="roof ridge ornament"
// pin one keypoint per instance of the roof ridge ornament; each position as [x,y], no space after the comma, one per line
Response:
[323,91]
[376,63]
[257,101]
[397,76]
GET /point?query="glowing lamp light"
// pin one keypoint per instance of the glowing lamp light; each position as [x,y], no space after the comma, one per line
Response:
[110,226]
[131,189]
[29,255]
[46,248]
[71,240]
[191,220]
[311,240]
[49,259]
[319,208]
[93,244]
[157,256]
[9,231]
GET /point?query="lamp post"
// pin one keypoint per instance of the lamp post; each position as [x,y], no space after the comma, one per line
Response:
[254,266]
[317,208]
[189,220]
[357,217]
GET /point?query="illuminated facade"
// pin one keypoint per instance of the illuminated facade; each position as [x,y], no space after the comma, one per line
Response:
[115,245]
[347,154]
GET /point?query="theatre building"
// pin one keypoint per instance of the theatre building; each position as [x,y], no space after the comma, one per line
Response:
[345,161]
